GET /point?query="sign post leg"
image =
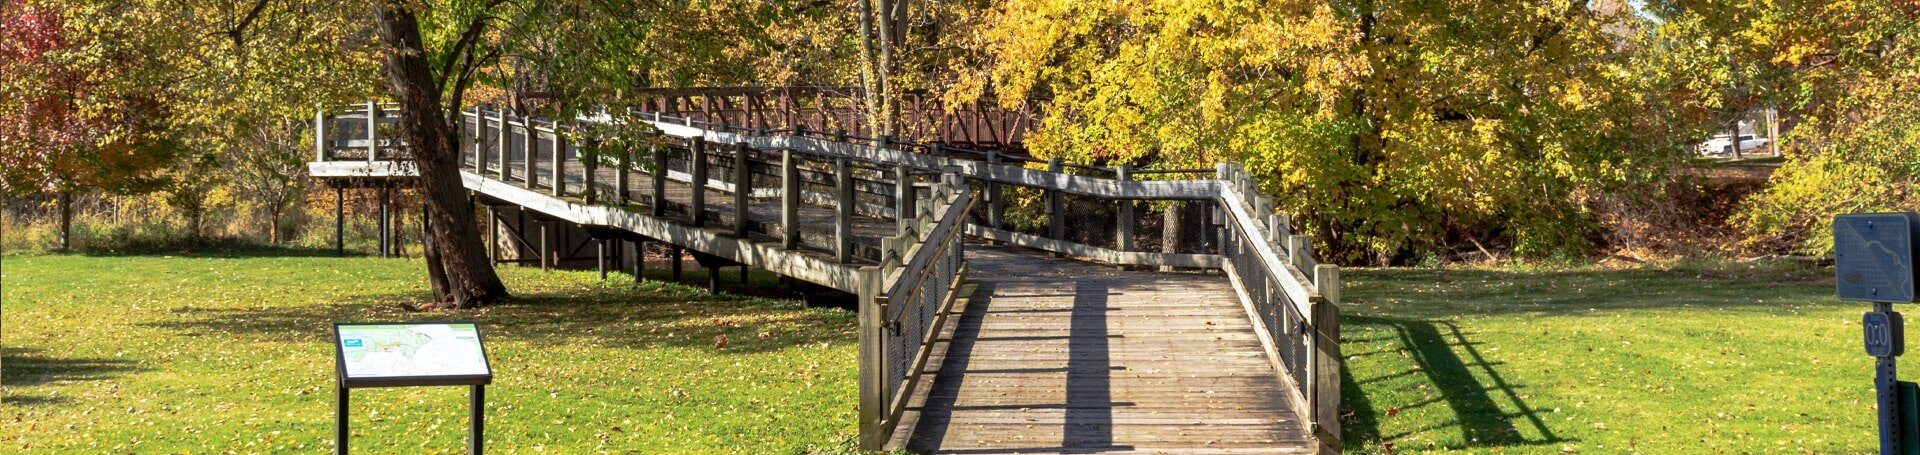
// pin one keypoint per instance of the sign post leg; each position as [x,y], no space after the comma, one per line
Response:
[479,419]
[1885,378]
[340,421]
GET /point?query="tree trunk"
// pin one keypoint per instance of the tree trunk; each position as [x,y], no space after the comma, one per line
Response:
[466,279]
[66,220]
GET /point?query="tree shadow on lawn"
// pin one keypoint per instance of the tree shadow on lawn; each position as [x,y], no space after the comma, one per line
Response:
[27,367]
[214,250]
[1415,307]
[1449,293]
[614,316]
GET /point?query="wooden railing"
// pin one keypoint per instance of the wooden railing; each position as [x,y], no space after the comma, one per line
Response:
[901,316]
[923,116]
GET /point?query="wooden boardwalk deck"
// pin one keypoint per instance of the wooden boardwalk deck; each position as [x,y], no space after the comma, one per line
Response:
[1053,355]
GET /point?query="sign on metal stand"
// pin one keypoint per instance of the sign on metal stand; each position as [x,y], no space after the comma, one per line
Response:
[410,355]
[1873,262]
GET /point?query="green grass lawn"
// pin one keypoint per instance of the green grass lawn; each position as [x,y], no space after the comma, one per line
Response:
[232,353]
[1647,361]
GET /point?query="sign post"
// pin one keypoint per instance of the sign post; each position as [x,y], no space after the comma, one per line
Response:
[410,355]
[1873,262]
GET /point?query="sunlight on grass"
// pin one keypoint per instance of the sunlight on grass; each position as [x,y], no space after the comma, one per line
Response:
[1604,361]
[225,352]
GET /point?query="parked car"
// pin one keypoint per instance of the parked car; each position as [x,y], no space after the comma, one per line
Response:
[1720,145]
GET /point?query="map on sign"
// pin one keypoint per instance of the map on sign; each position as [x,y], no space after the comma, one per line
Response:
[411,350]
[1873,256]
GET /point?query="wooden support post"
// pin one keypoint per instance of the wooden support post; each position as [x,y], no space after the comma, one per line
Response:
[639,260]
[699,163]
[546,245]
[903,206]
[373,135]
[1123,214]
[996,201]
[744,269]
[1323,395]
[600,257]
[659,182]
[382,228]
[843,208]
[742,187]
[493,233]
[677,253]
[340,221]
[789,200]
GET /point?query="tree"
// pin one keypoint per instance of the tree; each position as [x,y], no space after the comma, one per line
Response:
[1847,71]
[1391,129]
[462,276]
[77,117]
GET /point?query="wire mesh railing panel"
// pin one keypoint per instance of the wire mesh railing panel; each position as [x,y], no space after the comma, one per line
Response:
[1089,220]
[1283,323]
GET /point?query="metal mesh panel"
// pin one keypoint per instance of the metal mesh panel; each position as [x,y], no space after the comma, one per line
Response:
[914,308]
[1089,220]
[1282,320]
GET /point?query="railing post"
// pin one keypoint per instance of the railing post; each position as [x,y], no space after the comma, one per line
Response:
[622,184]
[504,156]
[843,208]
[479,144]
[996,202]
[1324,394]
[1300,251]
[903,199]
[699,168]
[742,187]
[659,181]
[1123,223]
[373,131]
[1056,220]
[590,175]
[789,200]
[1278,228]
[528,150]
[873,373]
[320,135]
[559,176]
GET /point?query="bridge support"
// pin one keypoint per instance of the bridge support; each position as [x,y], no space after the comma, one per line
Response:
[340,221]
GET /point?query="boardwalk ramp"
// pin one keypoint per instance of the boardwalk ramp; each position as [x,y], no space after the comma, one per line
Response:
[1005,304]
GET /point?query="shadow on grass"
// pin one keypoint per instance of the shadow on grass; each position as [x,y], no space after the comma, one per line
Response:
[1449,293]
[25,367]
[620,316]
[1479,418]
[212,249]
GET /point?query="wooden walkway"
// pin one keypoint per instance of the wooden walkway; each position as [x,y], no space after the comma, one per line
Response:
[1054,355]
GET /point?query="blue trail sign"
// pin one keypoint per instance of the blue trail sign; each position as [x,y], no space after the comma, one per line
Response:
[1873,256]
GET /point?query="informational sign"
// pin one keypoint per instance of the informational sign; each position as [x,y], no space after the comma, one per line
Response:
[411,354]
[1873,256]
